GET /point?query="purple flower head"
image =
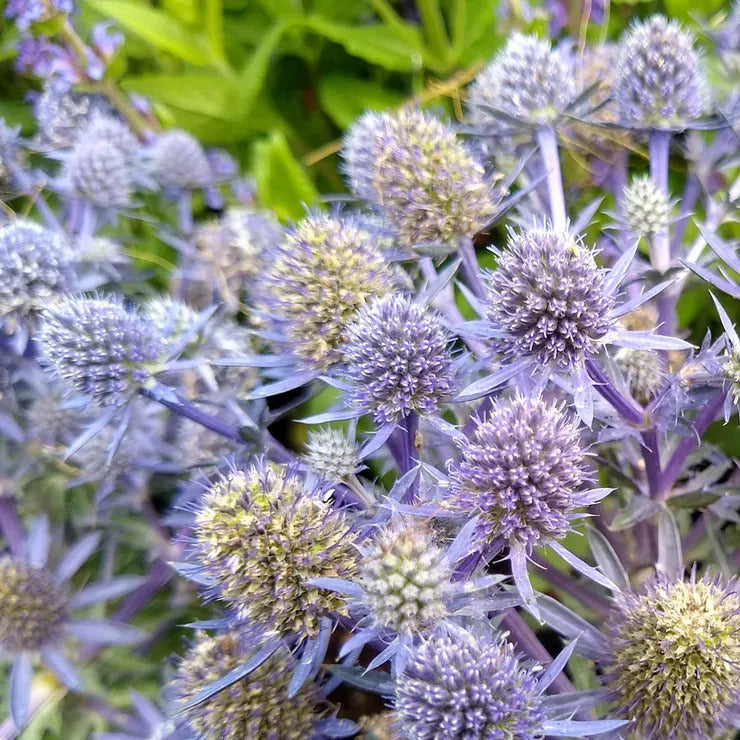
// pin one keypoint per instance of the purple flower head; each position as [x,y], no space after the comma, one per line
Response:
[527,80]
[61,114]
[521,469]
[36,264]
[659,83]
[26,12]
[106,42]
[464,686]
[398,359]
[177,160]
[49,61]
[101,348]
[674,666]
[423,179]
[316,279]
[261,534]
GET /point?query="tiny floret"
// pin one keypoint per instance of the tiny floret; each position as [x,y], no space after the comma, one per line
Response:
[659,82]
[177,160]
[261,535]
[675,654]
[643,370]
[423,179]
[521,469]
[33,607]
[547,299]
[101,347]
[257,706]
[331,454]
[398,359]
[645,207]
[463,687]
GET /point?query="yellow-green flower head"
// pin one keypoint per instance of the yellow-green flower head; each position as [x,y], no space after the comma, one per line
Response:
[316,280]
[646,207]
[731,369]
[257,707]
[261,535]
[33,607]
[423,179]
[331,454]
[675,658]
[643,370]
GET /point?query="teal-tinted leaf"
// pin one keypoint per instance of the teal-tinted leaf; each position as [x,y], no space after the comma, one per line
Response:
[376,682]
[345,98]
[693,500]
[637,510]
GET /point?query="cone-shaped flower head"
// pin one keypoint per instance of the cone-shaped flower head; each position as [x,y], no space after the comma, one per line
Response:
[316,280]
[643,370]
[405,578]
[467,687]
[174,319]
[527,80]
[424,180]
[645,207]
[35,264]
[33,607]
[257,706]
[675,658]
[547,298]
[60,115]
[101,347]
[659,81]
[331,454]
[114,132]
[261,534]
[521,469]
[177,160]
[398,359]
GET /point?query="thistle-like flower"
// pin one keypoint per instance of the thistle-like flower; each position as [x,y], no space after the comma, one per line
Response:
[174,319]
[177,160]
[261,535]
[35,263]
[674,666]
[113,132]
[527,80]
[26,12]
[257,706]
[463,686]
[317,279]
[643,370]
[331,454]
[659,83]
[398,359]
[101,347]
[425,182]
[60,115]
[646,208]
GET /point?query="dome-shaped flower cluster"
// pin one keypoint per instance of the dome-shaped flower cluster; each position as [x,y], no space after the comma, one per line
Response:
[675,653]
[257,706]
[527,80]
[331,454]
[521,468]
[547,299]
[60,115]
[35,263]
[467,687]
[316,280]
[101,347]
[261,535]
[176,159]
[398,359]
[643,370]
[659,82]
[645,207]
[420,176]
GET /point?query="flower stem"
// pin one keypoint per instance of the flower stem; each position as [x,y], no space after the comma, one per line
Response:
[651,456]
[626,407]
[548,144]
[659,143]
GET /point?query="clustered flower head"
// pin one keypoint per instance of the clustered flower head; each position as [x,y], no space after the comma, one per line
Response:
[547,298]
[317,279]
[177,160]
[60,115]
[521,468]
[36,265]
[646,208]
[101,347]
[26,12]
[467,687]
[398,359]
[261,535]
[731,368]
[405,578]
[527,80]
[644,372]
[33,607]
[659,82]
[331,454]
[675,657]
[420,175]
[257,706]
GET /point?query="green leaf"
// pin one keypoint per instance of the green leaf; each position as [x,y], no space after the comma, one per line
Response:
[376,682]
[344,98]
[282,183]
[374,43]
[214,23]
[695,500]
[159,29]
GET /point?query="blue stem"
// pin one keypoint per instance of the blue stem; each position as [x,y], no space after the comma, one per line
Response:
[626,407]
[471,269]
[548,144]
[659,144]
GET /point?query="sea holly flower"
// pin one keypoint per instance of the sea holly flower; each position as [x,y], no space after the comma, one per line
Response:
[331,454]
[37,608]
[26,12]
[550,309]
[730,361]
[645,207]
[177,160]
